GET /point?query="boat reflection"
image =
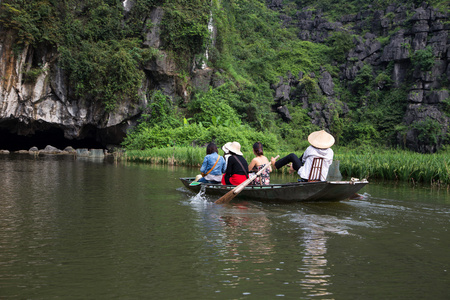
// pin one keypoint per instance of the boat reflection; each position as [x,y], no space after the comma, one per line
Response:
[248,244]
[314,268]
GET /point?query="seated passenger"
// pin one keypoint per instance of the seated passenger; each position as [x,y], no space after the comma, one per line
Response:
[237,167]
[226,152]
[213,165]
[320,141]
[259,162]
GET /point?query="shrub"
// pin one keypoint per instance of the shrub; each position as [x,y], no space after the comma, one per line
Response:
[185,29]
[424,59]
[429,131]
[144,137]
[212,108]
[105,71]
[33,21]
[340,44]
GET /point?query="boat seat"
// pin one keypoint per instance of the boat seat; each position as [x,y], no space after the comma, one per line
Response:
[316,169]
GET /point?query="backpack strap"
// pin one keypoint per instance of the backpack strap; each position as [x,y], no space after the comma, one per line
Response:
[245,170]
[213,166]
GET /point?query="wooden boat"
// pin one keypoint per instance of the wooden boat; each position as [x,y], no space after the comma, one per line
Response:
[290,192]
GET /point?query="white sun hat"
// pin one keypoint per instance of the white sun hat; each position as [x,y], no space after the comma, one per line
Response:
[225,148]
[234,147]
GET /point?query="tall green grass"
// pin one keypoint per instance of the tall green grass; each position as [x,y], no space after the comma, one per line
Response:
[394,165]
[183,156]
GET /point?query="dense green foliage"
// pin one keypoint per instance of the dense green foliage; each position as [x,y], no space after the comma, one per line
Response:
[101,50]
[423,59]
[32,21]
[159,127]
[185,29]
[335,9]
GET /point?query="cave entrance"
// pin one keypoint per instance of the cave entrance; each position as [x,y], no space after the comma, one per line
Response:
[40,139]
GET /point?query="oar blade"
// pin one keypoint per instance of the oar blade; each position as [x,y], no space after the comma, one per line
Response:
[226,198]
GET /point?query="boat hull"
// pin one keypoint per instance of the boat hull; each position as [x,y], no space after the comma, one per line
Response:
[290,192]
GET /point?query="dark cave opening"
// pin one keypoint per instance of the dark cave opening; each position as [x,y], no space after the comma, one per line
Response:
[40,139]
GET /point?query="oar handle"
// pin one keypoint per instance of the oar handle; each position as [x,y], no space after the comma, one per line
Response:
[238,189]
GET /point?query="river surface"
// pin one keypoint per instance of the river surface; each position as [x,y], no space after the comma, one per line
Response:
[95,229]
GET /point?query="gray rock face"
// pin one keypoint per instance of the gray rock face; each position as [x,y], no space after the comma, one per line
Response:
[50,150]
[284,113]
[314,27]
[152,37]
[414,29]
[49,102]
[398,48]
[275,4]
[436,97]
[326,84]
[202,79]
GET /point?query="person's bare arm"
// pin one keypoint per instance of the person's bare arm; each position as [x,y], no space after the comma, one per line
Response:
[252,164]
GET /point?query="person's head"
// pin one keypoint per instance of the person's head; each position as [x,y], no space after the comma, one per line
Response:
[258,148]
[211,148]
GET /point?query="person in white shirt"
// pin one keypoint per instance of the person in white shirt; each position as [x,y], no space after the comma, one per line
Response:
[321,142]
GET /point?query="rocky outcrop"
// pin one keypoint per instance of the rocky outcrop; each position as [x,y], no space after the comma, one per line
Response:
[409,32]
[30,106]
[388,40]
[50,150]
[314,26]
[320,102]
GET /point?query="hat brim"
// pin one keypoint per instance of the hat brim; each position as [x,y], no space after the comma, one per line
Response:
[321,139]
[238,153]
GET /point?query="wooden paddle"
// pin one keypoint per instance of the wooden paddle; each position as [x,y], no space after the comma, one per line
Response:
[234,192]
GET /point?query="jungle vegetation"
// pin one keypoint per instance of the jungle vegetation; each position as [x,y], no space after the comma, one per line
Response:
[103,53]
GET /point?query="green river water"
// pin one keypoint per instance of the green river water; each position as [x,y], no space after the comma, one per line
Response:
[95,229]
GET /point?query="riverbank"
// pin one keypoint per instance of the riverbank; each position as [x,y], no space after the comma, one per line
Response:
[392,165]
[69,150]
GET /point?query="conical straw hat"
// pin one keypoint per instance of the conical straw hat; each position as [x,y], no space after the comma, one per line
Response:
[321,139]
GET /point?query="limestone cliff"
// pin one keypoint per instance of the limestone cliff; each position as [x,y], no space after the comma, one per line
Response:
[386,40]
[408,31]
[48,101]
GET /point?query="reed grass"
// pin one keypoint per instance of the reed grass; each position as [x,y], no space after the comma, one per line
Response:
[183,156]
[393,165]
[396,165]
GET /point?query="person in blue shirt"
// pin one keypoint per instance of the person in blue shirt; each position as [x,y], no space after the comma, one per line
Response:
[213,165]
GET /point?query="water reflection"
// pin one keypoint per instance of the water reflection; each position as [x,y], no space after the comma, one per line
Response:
[100,230]
[241,238]
[245,234]
[314,267]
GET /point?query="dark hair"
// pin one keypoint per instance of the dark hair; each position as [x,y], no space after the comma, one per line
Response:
[258,148]
[211,148]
